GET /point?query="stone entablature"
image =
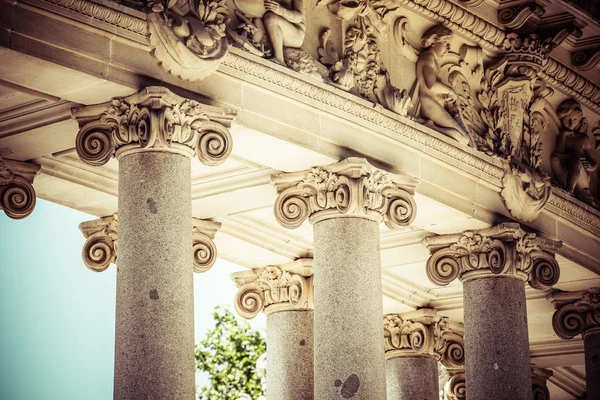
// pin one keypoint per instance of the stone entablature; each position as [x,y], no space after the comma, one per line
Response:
[287,287]
[576,312]
[17,195]
[100,248]
[424,333]
[503,249]
[349,188]
[154,119]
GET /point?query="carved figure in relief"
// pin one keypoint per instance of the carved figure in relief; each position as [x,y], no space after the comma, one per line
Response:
[572,159]
[435,97]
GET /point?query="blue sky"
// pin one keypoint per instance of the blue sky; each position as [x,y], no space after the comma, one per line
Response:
[57,317]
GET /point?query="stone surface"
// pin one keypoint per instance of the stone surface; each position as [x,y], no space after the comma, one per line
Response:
[591,342]
[349,363]
[496,342]
[412,378]
[290,359]
[154,344]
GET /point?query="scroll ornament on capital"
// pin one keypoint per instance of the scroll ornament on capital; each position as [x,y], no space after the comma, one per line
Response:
[456,387]
[17,195]
[351,187]
[271,289]
[100,248]
[577,316]
[409,334]
[501,250]
[157,119]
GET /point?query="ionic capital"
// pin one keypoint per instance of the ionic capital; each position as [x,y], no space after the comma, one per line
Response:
[503,249]
[275,288]
[17,195]
[576,312]
[349,188]
[424,333]
[100,248]
[154,119]
[539,379]
[455,388]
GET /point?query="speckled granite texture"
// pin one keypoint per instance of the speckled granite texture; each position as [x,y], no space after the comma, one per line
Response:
[591,342]
[412,378]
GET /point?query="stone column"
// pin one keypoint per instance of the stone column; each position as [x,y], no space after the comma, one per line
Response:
[414,343]
[154,133]
[345,202]
[578,313]
[17,195]
[539,378]
[285,294]
[493,265]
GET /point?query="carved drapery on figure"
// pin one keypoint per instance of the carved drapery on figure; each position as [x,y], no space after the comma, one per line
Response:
[100,248]
[423,332]
[503,249]
[576,312]
[274,288]
[17,195]
[351,187]
[572,160]
[539,378]
[157,119]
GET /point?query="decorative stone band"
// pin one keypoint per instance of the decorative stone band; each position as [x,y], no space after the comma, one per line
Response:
[349,188]
[539,378]
[424,333]
[17,195]
[274,288]
[455,388]
[154,119]
[576,312]
[503,249]
[100,248]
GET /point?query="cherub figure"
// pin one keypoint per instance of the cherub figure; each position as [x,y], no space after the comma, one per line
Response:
[572,159]
[435,97]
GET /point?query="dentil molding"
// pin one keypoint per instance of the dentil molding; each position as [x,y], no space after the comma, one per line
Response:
[287,287]
[503,249]
[349,188]
[424,333]
[17,195]
[154,119]
[576,312]
[100,248]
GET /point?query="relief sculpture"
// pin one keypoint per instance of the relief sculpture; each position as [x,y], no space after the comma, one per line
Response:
[572,160]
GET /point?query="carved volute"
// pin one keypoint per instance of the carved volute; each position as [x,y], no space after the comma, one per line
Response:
[576,312]
[17,195]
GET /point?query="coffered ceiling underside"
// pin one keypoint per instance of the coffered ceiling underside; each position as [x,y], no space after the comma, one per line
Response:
[37,127]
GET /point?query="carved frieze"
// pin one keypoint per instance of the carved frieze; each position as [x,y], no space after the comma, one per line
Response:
[351,187]
[274,288]
[153,118]
[503,249]
[576,312]
[423,332]
[100,248]
[17,195]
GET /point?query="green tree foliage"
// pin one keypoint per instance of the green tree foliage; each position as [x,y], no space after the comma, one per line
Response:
[228,354]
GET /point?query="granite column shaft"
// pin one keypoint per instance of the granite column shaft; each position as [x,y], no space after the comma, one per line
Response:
[412,377]
[591,343]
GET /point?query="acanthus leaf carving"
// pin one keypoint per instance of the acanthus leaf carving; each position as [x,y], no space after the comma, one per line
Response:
[503,249]
[274,288]
[576,312]
[153,118]
[350,187]
[17,195]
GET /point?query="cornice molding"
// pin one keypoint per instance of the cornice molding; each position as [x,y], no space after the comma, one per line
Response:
[153,119]
[100,248]
[349,188]
[503,249]
[576,312]
[287,287]
[17,195]
[424,333]
[566,204]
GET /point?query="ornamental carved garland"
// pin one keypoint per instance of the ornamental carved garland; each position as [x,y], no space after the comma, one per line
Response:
[17,195]
[578,316]
[351,187]
[272,289]
[504,249]
[153,118]
[100,248]
[409,334]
